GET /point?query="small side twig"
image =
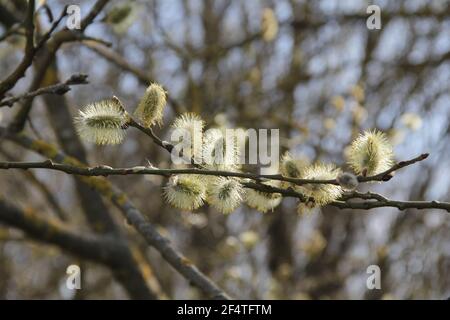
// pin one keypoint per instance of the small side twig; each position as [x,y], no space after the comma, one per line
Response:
[388,174]
[60,89]
[149,132]
[50,31]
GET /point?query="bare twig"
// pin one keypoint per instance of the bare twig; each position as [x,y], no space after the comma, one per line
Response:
[139,170]
[149,132]
[382,201]
[49,51]
[53,27]
[401,205]
[30,48]
[345,203]
[30,51]
[60,88]
[388,174]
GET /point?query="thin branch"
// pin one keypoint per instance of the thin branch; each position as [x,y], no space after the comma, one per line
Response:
[50,49]
[382,201]
[401,205]
[60,89]
[50,31]
[140,170]
[149,132]
[388,174]
[93,13]
[345,203]
[30,48]
[30,51]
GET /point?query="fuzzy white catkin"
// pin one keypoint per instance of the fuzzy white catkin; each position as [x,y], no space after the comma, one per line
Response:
[102,122]
[263,201]
[219,151]
[292,168]
[370,153]
[225,194]
[321,193]
[185,191]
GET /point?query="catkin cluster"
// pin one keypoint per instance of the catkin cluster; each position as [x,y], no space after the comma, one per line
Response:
[105,122]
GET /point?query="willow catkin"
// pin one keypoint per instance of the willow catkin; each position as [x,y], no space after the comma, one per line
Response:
[370,153]
[185,191]
[225,194]
[321,193]
[151,107]
[102,122]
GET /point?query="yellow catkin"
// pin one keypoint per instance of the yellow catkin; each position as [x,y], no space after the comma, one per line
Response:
[321,193]
[370,153]
[151,107]
[102,122]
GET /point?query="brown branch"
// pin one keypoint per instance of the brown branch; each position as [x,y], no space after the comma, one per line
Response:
[50,31]
[30,48]
[139,170]
[30,51]
[401,205]
[48,54]
[388,174]
[60,89]
[344,203]
[382,201]
[93,13]
[149,132]
[105,171]
[50,231]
